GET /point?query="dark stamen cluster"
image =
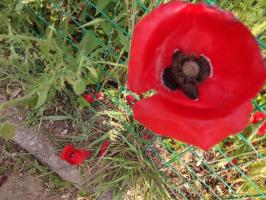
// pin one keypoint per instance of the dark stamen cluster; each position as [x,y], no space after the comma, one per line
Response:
[185,73]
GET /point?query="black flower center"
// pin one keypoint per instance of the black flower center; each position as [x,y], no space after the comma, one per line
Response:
[185,73]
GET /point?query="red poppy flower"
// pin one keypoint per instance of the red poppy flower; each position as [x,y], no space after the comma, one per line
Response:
[104,147]
[89,98]
[147,137]
[234,161]
[262,129]
[99,96]
[257,117]
[204,65]
[130,99]
[74,156]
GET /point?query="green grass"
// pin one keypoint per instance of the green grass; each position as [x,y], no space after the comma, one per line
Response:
[56,52]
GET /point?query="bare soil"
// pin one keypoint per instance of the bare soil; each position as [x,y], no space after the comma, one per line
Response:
[27,187]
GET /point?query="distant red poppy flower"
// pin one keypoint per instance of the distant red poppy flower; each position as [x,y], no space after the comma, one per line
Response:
[89,98]
[205,67]
[257,117]
[262,129]
[234,161]
[104,147]
[147,137]
[130,99]
[99,96]
[74,156]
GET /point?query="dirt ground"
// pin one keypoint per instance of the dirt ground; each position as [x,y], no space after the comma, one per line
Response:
[25,187]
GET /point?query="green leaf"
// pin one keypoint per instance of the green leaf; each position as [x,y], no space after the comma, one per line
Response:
[93,22]
[83,102]
[7,131]
[57,117]
[101,5]
[27,1]
[19,6]
[259,28]
[42,96]
[100,139]
[89,43]
[79,86]
[107,27]
[93,73]
[123,40]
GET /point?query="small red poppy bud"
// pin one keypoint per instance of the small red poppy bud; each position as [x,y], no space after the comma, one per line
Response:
[254,143]
[234,161]
[257,117]
[130,98]
[89,98]
[87,154]
[104,147]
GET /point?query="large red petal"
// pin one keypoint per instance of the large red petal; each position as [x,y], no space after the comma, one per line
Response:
[257,117]
[237,63]
[144,44]
[200,127]
[262,129]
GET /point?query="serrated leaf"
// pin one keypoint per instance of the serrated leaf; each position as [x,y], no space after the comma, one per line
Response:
[7,131]
[79,86]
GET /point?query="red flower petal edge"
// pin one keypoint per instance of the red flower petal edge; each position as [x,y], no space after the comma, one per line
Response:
[257,117]
[89,98]
[262,129]
[234,161]
[147,137]
[203,130]
[130,98]
[74,156]
[104,147]
[205,67]
[87,154]
[99,96]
